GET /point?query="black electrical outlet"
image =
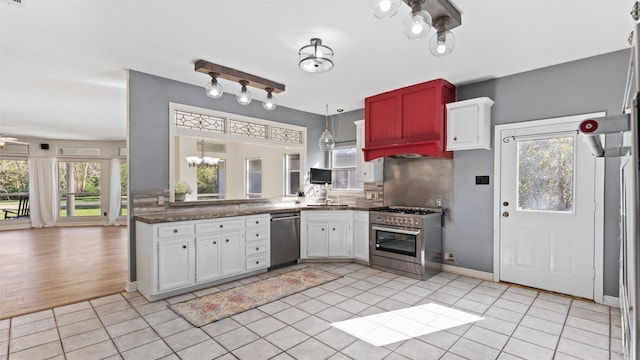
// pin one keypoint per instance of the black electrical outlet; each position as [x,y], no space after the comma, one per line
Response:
[482,180]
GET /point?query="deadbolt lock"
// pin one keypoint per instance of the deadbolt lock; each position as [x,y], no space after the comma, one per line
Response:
[505,214]
[506,203]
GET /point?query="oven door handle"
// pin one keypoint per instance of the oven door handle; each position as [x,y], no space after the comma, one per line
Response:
[400,231]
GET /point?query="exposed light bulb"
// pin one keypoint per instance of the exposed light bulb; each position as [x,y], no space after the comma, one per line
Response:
[417,24]
[213,88]
[385,5]
[441,48]
[384,8]
[269,102]
[245,97]
[442,42]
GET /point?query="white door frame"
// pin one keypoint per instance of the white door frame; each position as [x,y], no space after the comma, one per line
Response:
[598,261]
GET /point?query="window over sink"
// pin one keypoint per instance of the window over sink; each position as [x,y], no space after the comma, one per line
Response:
[343,169]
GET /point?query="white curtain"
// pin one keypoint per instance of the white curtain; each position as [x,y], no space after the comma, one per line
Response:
[116,193]
[43,192]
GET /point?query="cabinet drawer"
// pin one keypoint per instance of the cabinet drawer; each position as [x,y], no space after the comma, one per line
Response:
[225,224]
[256,248]
[257,221]
[256,234]
[257,262]
[173,230]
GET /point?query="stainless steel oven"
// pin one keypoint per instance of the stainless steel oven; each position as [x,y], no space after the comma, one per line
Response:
[406,241]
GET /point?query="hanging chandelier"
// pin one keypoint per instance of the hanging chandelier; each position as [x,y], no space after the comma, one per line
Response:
[418,23]
[202,161]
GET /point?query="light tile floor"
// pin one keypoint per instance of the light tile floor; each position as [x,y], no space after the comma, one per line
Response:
[518,323]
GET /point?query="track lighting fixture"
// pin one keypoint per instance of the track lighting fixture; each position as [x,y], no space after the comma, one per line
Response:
[214,89]
[419,21]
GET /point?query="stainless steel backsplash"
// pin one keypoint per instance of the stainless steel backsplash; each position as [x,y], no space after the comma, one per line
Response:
[419,182]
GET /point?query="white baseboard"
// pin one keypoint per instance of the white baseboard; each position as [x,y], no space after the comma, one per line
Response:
[612,301]
[482,275]
[131,286]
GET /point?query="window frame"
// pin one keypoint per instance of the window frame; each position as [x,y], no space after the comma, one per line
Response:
[16,158]
[247,194]
[101,215]
[219,195]
[354,168]
[288,172]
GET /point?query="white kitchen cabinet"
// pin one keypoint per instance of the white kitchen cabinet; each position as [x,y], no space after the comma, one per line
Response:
[207,257]
[258,245]
[361,235]
[366,171]
[326,234]
[176,259]
[469,124]
[231,255]
[173,258]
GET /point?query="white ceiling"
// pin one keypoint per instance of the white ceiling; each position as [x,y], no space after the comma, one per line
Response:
[62,63]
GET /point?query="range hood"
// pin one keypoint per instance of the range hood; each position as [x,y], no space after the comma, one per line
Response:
[408,122]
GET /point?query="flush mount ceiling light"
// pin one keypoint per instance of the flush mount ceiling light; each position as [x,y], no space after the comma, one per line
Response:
[315,57]
[202,161]
[214,89]
[444,15]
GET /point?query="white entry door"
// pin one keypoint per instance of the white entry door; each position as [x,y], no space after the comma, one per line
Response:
[547,208]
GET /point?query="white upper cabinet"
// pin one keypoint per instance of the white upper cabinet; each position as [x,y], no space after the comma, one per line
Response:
[367,171]
[469,124]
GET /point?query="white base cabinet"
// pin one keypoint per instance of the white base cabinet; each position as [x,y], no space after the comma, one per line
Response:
[182,256]
[337,234]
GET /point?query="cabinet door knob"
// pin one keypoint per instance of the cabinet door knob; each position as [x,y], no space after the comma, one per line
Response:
[257,248]
[227,240]
[221,226]
[455,138]
[214,243]
[257,235]
[257,262]
[257,222]
[175,231]
[322,229]
[184,246]
[334,229]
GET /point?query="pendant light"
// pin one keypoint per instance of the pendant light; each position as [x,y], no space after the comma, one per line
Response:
[418,23]
[326,141]
[443,41]
[245,97]
[269,102]
[213,88]
[383,9]
[316,58]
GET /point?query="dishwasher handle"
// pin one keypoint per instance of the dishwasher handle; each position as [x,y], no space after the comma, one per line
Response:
[292,217]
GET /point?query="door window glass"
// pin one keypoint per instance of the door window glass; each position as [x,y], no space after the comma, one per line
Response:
[546,174]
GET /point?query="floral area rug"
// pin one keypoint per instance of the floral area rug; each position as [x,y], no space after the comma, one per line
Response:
[216,306]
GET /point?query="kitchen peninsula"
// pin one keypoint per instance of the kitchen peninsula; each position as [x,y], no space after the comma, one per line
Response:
[191,247]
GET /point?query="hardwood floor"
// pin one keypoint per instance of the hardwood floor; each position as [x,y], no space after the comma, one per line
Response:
[44,268]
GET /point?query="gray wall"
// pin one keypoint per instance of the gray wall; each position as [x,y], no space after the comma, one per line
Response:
[149,98]
[583,86]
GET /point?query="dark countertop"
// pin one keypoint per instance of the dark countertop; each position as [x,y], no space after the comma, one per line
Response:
[202,214]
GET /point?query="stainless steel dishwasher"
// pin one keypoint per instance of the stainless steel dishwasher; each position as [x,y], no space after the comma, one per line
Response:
[285,238]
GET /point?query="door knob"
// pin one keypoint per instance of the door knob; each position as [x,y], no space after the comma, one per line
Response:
[506,203]
[227,240]
[505,214]
[184,246]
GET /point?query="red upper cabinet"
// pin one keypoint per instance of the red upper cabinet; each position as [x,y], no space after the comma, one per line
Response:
[410,120]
